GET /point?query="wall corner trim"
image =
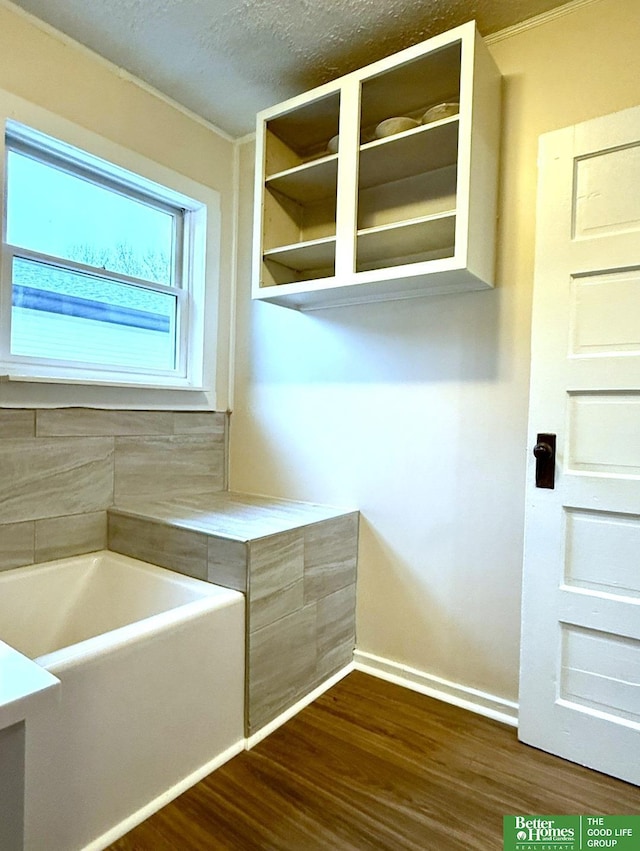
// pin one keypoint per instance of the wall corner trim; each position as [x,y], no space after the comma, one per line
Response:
[244,140]
[480,702]
[538,20]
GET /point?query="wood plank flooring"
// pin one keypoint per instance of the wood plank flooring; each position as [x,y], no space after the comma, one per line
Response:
[371,765]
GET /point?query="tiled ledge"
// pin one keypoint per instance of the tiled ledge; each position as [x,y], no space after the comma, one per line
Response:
[295,562]
[237,516]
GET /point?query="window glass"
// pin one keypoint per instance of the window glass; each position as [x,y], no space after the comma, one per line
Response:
[55,212]
[74,316]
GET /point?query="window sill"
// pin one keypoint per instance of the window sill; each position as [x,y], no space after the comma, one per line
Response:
[104,381]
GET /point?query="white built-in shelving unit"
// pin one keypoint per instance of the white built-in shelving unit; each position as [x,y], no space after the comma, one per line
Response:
[383,218]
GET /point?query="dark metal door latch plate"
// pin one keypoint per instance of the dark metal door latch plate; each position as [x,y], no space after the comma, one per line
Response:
[545,454]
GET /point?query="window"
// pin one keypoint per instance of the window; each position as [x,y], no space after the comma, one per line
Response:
[103,270]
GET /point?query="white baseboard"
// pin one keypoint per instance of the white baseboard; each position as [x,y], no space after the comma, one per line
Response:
[480,702]
[474,700]
[265,731]
[163,799]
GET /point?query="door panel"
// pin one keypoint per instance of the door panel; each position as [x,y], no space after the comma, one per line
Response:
[595,670]
[603,433]
[605,314]
[591,537]
[602,204]
[580,663]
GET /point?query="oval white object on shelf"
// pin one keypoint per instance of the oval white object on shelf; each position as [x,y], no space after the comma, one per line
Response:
[439,111]
[391,126]
[332,144]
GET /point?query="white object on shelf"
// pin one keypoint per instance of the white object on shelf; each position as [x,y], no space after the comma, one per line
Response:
[401,216]
[391,126]
[439,111]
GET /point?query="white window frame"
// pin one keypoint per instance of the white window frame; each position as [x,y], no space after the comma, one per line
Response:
[197,263]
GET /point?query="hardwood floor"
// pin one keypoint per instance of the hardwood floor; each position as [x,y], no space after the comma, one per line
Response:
[371,765]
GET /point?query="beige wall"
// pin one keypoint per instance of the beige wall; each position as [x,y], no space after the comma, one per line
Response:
[416,411]
[54,73]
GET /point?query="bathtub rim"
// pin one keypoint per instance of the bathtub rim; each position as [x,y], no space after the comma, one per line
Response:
[55,662]
[14,573]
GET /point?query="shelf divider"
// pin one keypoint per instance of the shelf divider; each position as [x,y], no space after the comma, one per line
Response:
[305,256]
[422,149]
[422,235]
[311,181]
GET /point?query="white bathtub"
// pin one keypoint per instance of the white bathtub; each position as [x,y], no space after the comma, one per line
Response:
[152,697]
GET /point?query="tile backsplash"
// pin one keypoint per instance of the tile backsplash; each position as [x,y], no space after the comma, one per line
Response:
[61,469]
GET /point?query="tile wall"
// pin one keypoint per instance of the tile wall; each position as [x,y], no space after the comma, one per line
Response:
[60,469]
[301,613]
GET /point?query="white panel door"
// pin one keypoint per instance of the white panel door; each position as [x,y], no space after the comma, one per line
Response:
[580,661]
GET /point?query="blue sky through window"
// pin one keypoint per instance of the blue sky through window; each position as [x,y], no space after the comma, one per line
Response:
[62,214]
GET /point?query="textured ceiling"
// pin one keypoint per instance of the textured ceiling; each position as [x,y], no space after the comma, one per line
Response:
[226,59]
